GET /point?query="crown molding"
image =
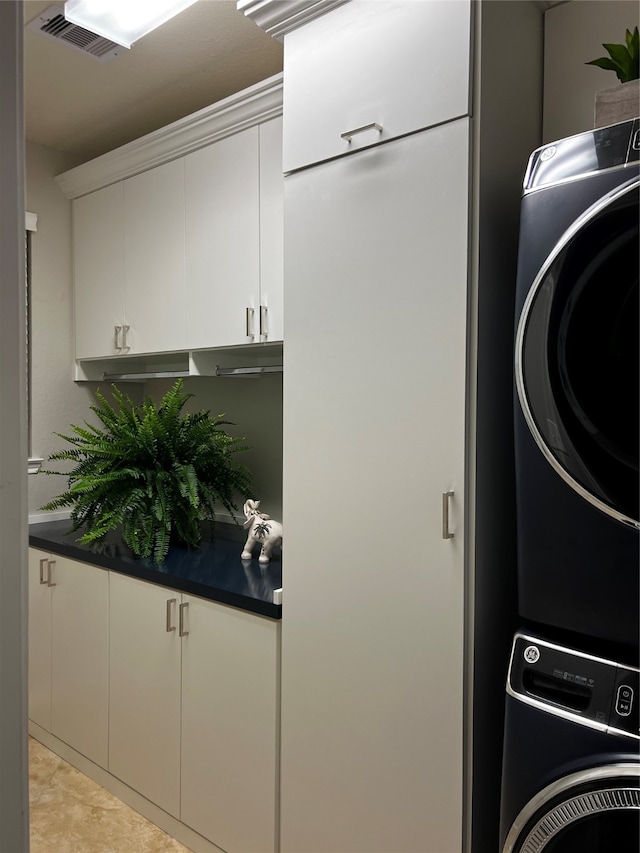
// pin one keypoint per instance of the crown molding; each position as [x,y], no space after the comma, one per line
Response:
[278,17]
[252,106]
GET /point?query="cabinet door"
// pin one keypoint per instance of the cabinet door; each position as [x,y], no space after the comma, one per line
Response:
[155,259]
[271,230]
[400,65]
[98,255]
[376,244]
[223,242]
[39,639]
[144,682]
[229,732]
[80,657]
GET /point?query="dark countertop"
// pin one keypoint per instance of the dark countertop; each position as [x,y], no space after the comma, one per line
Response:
[214,570]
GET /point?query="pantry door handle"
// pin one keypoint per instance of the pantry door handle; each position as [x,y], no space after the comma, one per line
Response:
[181,631]
[116,336]
[170,627]
[263,320]
[50,565]
[125,329]
[349,134]
[43,580]
[446,533]
[249,322]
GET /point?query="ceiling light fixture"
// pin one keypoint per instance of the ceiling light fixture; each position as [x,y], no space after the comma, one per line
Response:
[123,21]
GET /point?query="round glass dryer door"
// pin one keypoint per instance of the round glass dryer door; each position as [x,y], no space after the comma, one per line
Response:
[577,356]
[600,814]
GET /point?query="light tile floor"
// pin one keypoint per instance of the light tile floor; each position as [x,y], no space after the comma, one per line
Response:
[70,813]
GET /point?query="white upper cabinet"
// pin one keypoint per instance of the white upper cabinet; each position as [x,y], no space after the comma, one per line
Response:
[187,255]
[98,243]
[368,72]
[223,241]
[234,198]
[271,231]
[155,292]
[129,265]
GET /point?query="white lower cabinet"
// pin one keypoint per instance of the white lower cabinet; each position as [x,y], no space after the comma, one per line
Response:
[40,638]
[144,695]
[193,711]
[69,652]
[174,695]
[230,700]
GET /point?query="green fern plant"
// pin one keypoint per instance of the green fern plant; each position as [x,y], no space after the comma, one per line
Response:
[152,471]
[624,59]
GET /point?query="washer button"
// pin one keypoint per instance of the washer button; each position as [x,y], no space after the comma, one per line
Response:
[624,700]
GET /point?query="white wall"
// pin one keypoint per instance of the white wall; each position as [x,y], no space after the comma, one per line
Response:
[574,34]
[254,405]
[56,400]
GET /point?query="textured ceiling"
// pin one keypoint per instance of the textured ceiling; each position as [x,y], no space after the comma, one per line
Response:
[86,108]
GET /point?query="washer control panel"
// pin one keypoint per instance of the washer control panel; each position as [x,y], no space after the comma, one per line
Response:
[599,692]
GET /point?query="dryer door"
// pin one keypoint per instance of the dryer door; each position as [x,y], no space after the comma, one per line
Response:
[592,811]
[577,356]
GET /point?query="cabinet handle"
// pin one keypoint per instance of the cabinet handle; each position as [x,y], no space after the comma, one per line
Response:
[181,631]
[43,579]
[349,134]
[446,533]
[116,337]
[263,320]
[125,329]
[249,322]
[170,627]
[50,565]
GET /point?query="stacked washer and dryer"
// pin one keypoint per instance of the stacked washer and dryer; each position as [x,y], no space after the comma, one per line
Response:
[571,768]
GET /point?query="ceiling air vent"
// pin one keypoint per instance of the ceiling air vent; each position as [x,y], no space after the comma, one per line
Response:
[53,24]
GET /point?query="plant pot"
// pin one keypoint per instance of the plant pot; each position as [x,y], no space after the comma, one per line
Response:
[620,103]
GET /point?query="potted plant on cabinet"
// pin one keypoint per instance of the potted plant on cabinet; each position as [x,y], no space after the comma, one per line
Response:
[621,102]
[151,471]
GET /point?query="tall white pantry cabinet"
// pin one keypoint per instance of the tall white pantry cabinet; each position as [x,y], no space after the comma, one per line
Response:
[383,173]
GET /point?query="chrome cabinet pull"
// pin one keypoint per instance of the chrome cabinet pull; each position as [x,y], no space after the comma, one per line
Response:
[50,565]
[170,627]
[181,629]
[125,329]
[116,337]
[43,579]
[263,320]
[446,533]
[349,134]
[249,322]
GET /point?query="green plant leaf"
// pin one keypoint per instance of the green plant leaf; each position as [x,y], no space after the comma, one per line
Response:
[624,58]
[632,40]
[150,471]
